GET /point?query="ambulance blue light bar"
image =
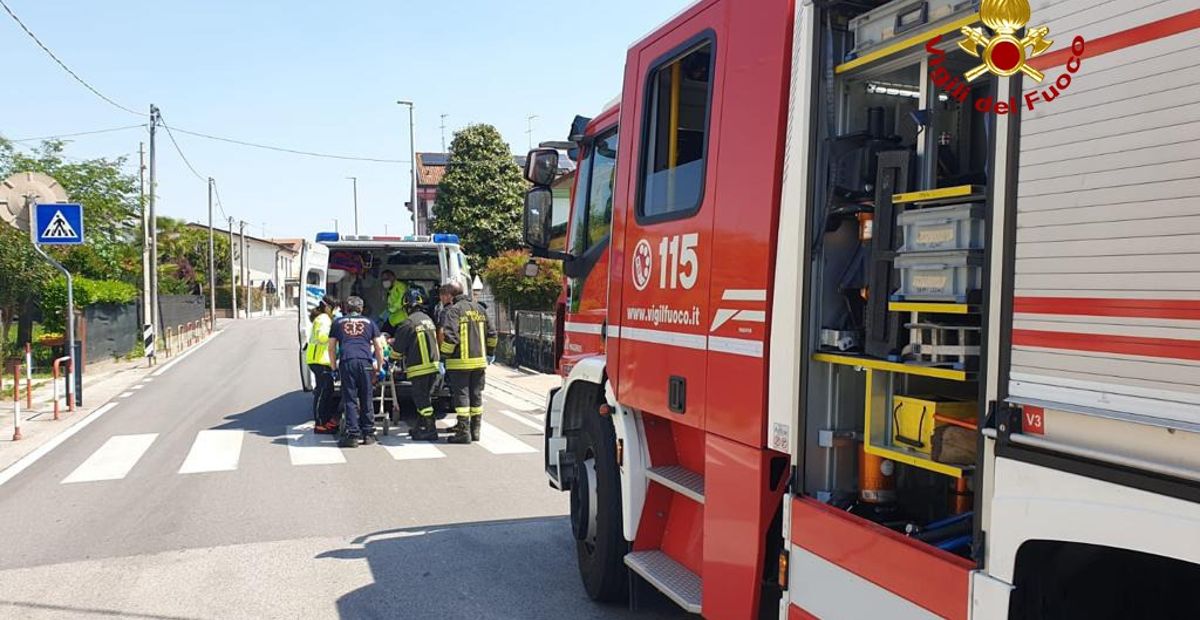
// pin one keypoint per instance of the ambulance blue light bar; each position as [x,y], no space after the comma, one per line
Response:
[326,236]
[445,238]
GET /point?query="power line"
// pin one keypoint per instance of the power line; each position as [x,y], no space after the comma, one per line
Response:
[63,65]
[292,151]
[77,134]
[217,194]
[179,150]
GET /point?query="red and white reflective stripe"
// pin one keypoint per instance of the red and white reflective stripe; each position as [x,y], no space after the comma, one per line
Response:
[591,329]
[822,589]
[1126,38]
[1155,328]
[699,342]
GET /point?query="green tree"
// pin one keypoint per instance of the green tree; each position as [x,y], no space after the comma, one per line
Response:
[183,257]
[481,196]
[109,195]
[506,275]
[22,275]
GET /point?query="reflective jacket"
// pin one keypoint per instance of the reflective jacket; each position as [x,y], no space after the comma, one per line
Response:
[318,341]
[416,341]
[467,335]
[396,314]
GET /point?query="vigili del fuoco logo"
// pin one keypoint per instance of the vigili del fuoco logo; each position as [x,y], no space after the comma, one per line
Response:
[1006,53]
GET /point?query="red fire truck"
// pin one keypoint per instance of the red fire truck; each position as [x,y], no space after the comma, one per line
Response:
[889,310]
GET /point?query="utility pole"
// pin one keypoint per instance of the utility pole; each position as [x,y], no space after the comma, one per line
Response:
[335,226]
[147,301]
[412,160]
[232,275]
[355,180]
[529,119]
[444,132]
[212,262]
[153,228]
[245,268]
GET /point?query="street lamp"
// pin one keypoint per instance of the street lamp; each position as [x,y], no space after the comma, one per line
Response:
[412,156]
[355,180]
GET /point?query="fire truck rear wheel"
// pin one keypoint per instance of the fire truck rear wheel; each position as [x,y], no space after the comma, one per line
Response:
[596,507]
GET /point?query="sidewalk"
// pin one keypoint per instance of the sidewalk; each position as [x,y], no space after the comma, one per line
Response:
[532,387]
[102,383]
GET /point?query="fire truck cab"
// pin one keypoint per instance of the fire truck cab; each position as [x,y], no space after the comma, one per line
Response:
[854,328]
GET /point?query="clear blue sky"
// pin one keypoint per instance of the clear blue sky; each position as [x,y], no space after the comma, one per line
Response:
[312,76]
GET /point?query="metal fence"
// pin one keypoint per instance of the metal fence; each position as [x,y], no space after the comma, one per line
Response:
[534,340]
[110,330]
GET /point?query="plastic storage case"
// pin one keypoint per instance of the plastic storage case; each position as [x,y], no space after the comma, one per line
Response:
[895,19]
[913,423]
[942,229]
[939,276]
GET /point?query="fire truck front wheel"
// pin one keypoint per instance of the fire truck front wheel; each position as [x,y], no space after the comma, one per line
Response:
[596,507]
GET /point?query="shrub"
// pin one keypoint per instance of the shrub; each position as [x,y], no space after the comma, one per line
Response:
[88,292]
[506,275]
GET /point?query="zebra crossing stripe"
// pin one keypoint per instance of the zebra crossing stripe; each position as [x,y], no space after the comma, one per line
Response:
[214,450]
[307,448]
[497,441]
[404,449]
[114,459]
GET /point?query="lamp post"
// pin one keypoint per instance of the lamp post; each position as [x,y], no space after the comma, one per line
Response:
[412,157]
[355,181]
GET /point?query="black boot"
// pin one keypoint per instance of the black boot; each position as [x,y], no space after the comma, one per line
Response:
[476,424]
[462,432]
[425,430]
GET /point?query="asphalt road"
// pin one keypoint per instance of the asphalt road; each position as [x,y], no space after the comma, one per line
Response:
[201,495]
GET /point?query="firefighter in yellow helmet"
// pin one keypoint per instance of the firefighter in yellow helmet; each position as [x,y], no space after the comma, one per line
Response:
[415,341]
[467,339]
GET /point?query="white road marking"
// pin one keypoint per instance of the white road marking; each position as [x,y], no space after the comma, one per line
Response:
[29,459]
[125,395]
[214,450]
[184,355]
[308,448]
[523,420]
[136,387]
[511,401]
[114,459]
[497,441]
[147,379]
[405,449]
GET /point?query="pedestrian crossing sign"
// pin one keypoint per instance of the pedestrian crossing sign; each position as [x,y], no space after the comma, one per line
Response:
[58,224]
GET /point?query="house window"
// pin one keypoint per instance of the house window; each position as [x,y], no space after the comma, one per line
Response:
[674,144]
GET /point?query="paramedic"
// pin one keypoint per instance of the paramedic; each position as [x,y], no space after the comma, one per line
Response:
[354,343]
[394,291]
[317,357]
[415,340]
[467,337]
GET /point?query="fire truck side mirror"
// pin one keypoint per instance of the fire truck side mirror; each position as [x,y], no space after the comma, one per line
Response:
[539,207]
[541,166]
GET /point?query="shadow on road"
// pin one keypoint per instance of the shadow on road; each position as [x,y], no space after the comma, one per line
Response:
[273,417]
[521,569]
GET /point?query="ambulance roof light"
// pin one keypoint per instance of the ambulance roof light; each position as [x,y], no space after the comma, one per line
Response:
[445,238]
[326,236]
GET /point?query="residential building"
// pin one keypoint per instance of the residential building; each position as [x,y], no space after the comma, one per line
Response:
[267,262]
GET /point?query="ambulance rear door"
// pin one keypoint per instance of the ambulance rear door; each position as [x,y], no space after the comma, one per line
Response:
[314,265]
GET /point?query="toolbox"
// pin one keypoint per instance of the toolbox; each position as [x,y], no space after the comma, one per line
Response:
[913,420]
[941,229]
[939,276]
[896,19]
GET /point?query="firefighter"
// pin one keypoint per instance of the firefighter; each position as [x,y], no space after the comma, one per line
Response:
[415,341]
[467,337]
[354,343]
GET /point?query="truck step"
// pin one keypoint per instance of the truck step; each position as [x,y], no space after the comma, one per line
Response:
[670,577]
[679,479]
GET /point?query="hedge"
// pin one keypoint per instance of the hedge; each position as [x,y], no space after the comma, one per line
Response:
[88,292]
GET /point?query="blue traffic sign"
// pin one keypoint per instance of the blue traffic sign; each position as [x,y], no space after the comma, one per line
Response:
[58,224]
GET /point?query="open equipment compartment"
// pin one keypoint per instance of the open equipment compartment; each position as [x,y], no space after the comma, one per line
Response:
[892,396]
